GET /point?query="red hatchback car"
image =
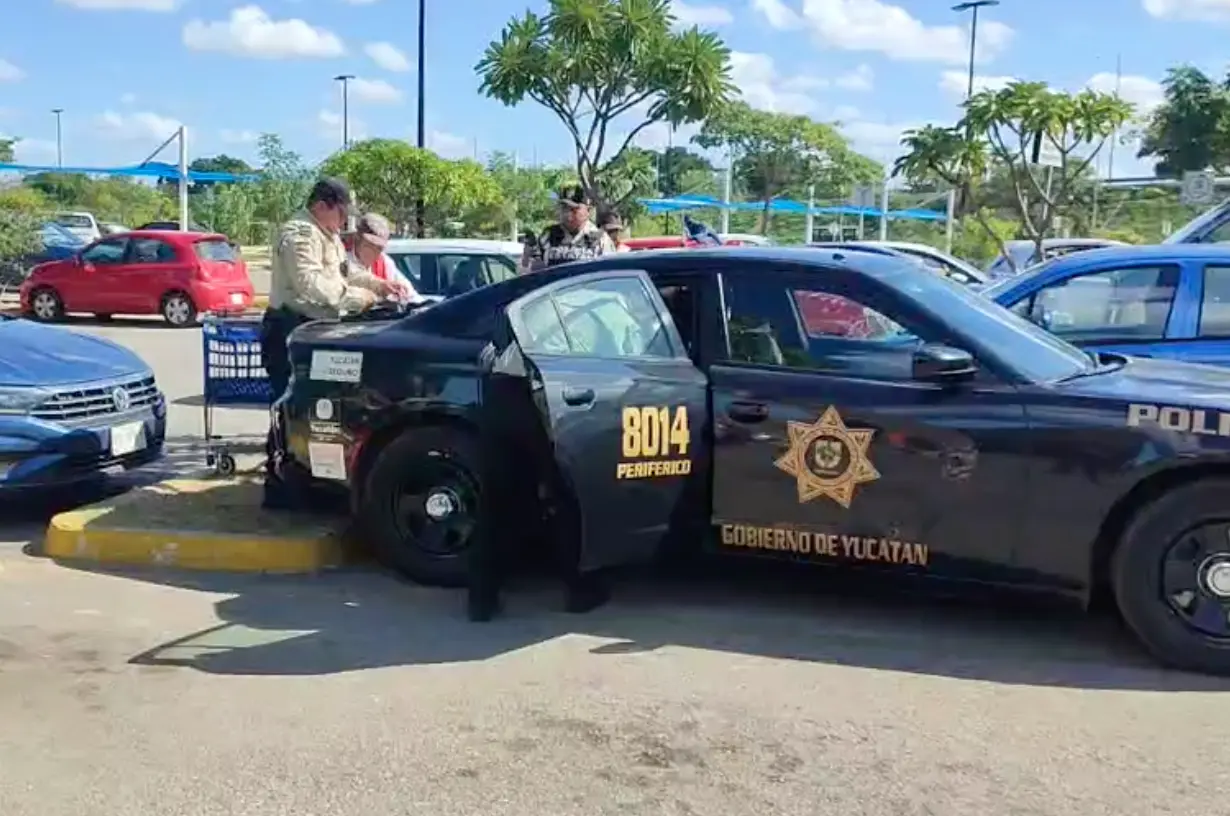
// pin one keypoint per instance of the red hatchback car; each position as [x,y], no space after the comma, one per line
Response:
[174,274]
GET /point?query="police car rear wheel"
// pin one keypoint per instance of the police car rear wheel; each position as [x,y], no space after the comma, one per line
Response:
[1171,576]
[420,504]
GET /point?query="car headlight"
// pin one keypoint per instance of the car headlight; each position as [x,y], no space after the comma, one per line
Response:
[20,400]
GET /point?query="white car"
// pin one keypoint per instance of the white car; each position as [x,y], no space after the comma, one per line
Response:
[447,267]
[82,224]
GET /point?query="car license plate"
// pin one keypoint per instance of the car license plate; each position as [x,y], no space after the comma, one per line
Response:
[128,438]
[237,298]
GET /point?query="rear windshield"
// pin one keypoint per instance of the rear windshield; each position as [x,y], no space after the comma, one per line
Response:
[78,221]
[216,250]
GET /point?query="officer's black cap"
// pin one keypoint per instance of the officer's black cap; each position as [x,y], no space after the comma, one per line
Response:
[572,195]
[332,192]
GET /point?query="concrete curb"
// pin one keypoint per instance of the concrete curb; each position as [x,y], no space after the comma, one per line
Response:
[105,533]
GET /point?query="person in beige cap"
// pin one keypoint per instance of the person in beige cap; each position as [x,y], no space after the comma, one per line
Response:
[366,256]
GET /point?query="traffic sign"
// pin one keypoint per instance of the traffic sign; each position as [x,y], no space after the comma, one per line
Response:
[1199,188]
[863,197]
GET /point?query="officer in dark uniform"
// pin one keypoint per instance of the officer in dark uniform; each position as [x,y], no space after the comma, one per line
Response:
[574,238]
[517,457]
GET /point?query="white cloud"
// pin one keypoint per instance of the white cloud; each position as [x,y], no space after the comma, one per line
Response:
[329,126]
[123,5]
[388,56]
[1144,93]
[873,25]
[449,145]
[878,140]
[956,83]
[135,127]
[688,15]
[31,151]
[778,14]
[239,137]
[10,72]
[846,113]
[375,91]
[251,32]
[762,87]
[860,79]
[1203,10]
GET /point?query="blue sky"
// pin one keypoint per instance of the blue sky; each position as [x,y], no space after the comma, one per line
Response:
[126,72]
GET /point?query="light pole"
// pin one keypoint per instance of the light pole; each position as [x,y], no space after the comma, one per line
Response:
[59,139]
[345,80]
[973,5]
[420,226]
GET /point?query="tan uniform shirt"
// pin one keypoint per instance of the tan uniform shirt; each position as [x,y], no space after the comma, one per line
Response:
[307,273]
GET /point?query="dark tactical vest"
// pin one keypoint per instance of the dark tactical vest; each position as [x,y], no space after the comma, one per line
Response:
[556,246]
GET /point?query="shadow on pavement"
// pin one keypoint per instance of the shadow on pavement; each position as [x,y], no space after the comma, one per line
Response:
[359,619]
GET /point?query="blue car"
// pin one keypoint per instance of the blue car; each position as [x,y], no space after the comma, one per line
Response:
[56,243]
[72,406]
[1170,301]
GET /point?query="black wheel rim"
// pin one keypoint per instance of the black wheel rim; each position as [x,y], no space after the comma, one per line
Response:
[435,508]
[1195,579]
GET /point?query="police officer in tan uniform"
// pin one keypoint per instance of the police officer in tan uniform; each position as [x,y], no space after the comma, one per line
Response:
[309,281]
[574,238]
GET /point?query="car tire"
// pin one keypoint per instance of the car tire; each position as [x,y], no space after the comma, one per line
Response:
[46,306]
[178,310]
[1143,584]
[422,463]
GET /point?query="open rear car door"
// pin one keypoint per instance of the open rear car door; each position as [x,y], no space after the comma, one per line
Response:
[622,413]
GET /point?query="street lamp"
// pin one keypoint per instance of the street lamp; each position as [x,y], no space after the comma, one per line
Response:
[973,5]
[59,139]
[420,226]
[345,80]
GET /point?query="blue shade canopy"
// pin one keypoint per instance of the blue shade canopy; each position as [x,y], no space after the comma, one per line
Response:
[682,203]
[159,170]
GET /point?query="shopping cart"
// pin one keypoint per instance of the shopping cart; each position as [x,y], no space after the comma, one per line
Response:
[234,376]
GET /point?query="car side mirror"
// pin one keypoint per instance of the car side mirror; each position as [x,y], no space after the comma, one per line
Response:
[936,363]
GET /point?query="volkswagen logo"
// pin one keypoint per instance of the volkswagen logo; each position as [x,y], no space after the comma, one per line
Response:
[122,399]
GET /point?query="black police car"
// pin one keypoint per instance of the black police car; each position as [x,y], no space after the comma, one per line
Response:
[827,406]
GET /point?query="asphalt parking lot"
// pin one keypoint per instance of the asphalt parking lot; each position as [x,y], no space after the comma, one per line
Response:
[177,693]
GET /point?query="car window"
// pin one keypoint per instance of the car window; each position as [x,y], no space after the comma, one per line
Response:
[1131,303]
[216,250]
[412,267]
[110,251]
[773,324]
[75,221]
[1215,302]
[499,268]
[613,317]
[150,250]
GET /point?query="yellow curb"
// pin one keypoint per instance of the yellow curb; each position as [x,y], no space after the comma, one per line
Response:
[228,531]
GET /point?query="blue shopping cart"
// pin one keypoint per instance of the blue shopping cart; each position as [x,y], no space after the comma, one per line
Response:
[234,376]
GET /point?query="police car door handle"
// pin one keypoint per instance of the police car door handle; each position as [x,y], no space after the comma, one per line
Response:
[577,396]
[748,411]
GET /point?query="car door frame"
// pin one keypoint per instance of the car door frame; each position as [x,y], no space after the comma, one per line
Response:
[146,283]
[580,454]
[100,299]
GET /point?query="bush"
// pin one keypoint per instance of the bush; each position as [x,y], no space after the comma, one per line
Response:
[21,212]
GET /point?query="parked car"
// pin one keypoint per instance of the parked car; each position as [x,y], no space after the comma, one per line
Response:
[177,275]
[72,406]
[676,242]
[745,238]
[52,243]
[1170,301]
[112,229]
[947,265]
[450,267]
[82,224]
[1024,254]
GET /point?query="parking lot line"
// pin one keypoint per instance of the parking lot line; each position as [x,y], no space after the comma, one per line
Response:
[210,524]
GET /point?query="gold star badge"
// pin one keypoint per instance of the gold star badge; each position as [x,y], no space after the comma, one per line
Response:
[828,459]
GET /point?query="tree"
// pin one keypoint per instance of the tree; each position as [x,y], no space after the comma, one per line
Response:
[775,153]
[7,150]
[283,184]
[632,175]
[605,67]
[210,164]
[388,176]
[1190,130]
[525,194]
[21,210]
[1000,130]
[674,165]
